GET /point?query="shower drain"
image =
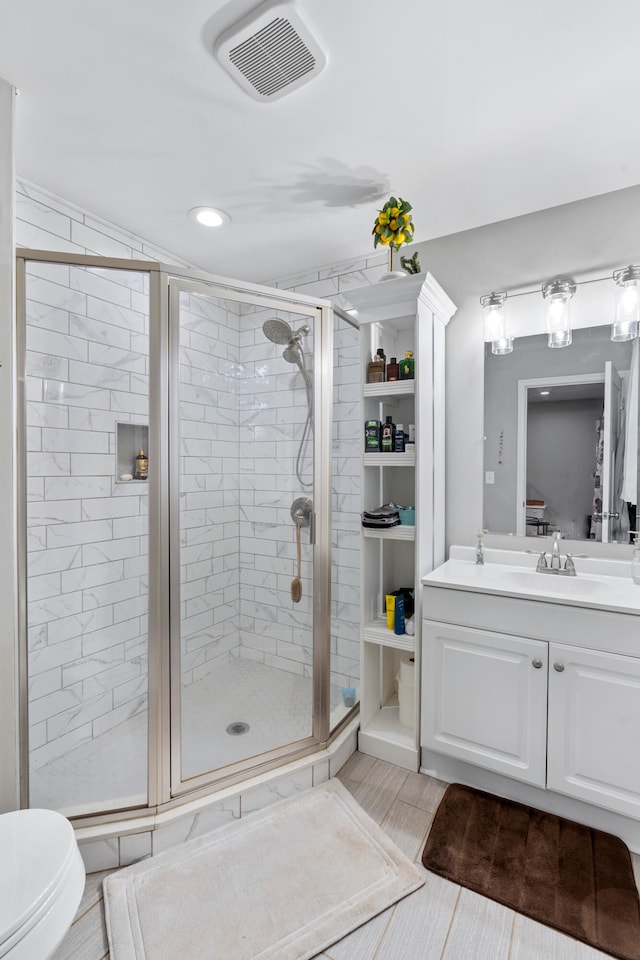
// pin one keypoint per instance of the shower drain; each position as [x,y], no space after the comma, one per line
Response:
[237,728]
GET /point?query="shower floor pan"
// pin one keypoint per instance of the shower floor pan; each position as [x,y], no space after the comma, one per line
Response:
[110,770]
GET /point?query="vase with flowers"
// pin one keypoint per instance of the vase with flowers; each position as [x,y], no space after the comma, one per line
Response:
[393,228]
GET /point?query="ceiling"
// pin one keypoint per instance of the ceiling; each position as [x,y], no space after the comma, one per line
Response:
[473,112]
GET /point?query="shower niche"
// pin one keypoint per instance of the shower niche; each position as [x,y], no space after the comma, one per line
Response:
[130,439]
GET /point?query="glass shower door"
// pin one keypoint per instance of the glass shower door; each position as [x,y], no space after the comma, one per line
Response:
[242,451]
[86,338]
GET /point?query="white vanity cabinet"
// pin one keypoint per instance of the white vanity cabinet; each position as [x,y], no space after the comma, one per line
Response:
[408,313]
[485,699]
[559,716]
[594,727]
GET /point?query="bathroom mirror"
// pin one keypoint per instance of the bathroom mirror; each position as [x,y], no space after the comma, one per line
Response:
[558,449]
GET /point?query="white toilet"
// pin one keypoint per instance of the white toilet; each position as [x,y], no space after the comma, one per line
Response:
[41,883]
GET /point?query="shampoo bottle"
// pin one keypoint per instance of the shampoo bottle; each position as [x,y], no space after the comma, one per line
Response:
[388,436]
[398,614]
[142,466]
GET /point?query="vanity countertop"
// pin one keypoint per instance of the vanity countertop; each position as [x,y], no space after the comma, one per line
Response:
[599,583]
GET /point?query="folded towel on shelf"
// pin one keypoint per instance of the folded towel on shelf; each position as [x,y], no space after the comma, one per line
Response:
[385,516]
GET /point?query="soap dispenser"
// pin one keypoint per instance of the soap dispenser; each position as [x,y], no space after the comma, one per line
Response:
[480,548]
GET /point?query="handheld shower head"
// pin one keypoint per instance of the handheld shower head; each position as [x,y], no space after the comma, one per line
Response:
[293,353]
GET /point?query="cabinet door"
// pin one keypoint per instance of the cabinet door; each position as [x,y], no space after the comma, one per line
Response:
[485,699]
[594,727]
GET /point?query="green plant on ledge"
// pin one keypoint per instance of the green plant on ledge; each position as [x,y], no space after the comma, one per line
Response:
[411,264]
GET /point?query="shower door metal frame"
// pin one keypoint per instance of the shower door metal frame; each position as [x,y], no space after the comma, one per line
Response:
[321,312]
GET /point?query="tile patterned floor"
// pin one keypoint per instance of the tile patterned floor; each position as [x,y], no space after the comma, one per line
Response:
[441,921]
[110,771]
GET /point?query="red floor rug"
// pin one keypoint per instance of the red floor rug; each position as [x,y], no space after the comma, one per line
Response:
[560,873]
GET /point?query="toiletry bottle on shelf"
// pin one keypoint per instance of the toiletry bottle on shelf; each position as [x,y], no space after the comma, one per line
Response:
[375,370]
[407,371]
[410,437]
[635,560]
[142,466]
[393,370]
[372,436]
[398,615]
[388,436]
[480,549]
[398,442]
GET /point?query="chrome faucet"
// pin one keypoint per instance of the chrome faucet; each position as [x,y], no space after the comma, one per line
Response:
[555,566]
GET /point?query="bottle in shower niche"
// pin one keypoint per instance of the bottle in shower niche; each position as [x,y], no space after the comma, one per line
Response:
[388,436]
[141,471]
[407,366]
[393,371]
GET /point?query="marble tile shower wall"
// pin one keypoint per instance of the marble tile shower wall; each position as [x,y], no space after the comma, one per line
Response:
[273,411]
[346,446]
[87,369]
[209,494]
[333,283]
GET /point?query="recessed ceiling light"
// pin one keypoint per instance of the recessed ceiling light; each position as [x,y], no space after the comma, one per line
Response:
[208,216]
[545,393]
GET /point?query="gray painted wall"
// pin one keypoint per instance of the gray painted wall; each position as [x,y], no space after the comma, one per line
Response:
[561,459]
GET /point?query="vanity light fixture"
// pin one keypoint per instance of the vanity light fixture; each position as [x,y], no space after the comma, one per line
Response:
[495,323]
[208,216]
[558,294]
[625,325]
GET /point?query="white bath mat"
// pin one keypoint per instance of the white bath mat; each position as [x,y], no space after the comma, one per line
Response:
[282,884]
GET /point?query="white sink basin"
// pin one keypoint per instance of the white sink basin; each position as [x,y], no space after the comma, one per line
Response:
[515,578]
[552,583]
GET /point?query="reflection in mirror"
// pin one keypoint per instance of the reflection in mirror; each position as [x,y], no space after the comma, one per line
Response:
[561,438]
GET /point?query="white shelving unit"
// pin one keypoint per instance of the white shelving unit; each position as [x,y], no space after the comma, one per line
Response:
[405,314]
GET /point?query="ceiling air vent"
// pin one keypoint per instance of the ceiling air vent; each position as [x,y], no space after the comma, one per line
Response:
[271,51]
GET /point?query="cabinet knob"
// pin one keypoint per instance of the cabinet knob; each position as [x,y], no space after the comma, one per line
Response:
[559,667]
[536,663]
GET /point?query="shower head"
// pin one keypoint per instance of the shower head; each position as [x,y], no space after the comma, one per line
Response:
[278,331]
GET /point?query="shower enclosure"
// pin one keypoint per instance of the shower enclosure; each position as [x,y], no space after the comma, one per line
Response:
[190,626]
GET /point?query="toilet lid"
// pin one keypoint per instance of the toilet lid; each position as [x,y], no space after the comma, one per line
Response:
[37,849]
